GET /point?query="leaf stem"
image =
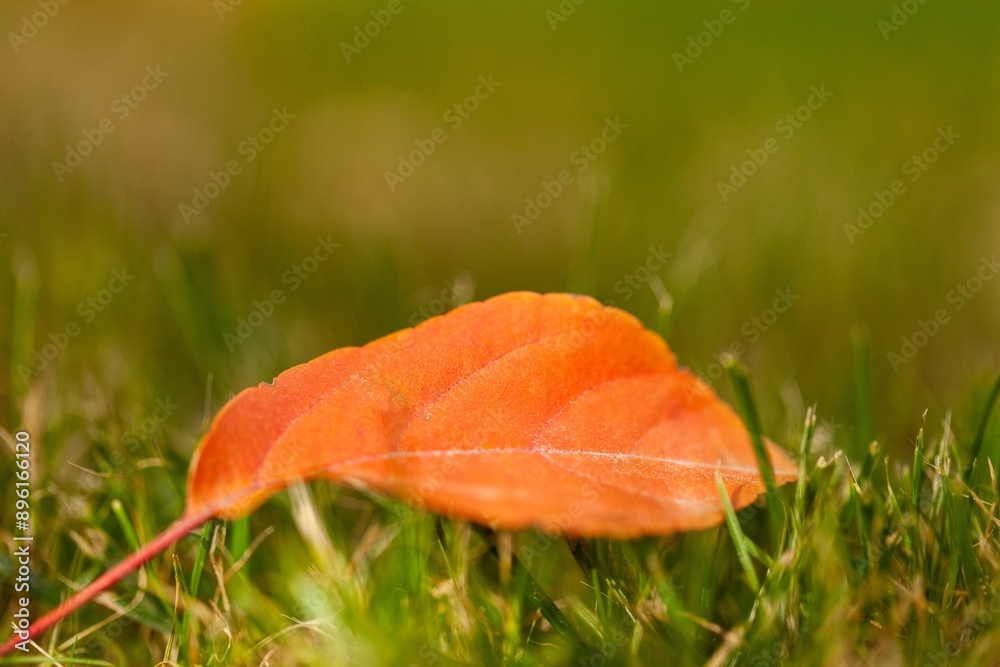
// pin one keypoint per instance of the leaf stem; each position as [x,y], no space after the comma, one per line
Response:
[176,531]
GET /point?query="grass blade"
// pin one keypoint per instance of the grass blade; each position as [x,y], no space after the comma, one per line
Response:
[126,525]
[977,444]
[736,532]
[199,560]
[180,590]
[918,465]
[239,540]
[805,450]
[535,593]
[738,376]
[665,306]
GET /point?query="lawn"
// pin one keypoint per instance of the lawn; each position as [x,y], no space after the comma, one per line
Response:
[195,197]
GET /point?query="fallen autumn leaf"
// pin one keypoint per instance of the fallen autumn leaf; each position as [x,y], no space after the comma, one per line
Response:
[525,410]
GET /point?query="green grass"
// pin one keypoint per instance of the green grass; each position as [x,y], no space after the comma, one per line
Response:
[861,562]
[885,552]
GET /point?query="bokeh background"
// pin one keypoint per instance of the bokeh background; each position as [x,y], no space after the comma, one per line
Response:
[563,70]
[193,198]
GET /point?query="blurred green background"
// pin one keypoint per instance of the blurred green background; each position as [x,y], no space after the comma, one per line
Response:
[224,68]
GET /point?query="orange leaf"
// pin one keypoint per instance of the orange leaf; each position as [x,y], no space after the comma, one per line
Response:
[524,410]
